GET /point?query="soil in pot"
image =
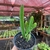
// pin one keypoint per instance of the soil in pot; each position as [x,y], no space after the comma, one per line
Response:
[20,42]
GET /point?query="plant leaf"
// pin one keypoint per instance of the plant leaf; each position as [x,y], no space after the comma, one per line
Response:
[28,37]
[26,25]
[22,20]
[30,25]
[31,22]
[33,27]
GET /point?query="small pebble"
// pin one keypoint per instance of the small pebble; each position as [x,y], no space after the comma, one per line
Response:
[20,36]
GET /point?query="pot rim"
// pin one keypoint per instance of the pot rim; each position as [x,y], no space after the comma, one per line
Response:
[21,48]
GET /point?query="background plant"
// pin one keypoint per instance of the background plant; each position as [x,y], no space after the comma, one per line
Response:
[37,17]
[28,26]
[47,30]
[41,46]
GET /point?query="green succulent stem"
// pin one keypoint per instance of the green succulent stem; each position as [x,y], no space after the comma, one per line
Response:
[26,27]
[22,20]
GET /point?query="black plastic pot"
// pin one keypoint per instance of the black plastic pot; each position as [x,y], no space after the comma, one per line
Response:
[21,44]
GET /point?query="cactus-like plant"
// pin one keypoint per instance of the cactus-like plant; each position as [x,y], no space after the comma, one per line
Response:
[26,27]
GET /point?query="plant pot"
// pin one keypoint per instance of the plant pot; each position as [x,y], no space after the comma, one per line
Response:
[21,44]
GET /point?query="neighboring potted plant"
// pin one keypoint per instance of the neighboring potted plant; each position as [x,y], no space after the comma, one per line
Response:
[41,46]
[25,40]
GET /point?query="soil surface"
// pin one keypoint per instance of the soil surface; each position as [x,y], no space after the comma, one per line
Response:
[22,43]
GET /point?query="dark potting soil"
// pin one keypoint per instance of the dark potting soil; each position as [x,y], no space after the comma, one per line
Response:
[21,43]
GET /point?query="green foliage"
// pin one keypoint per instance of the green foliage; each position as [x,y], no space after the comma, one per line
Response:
[22,20]
[47,30]
[7,34]
[37,16]
[43,46]
[28,26]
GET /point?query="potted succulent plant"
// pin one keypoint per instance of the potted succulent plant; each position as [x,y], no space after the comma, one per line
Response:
[41,46]
[25,40]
